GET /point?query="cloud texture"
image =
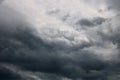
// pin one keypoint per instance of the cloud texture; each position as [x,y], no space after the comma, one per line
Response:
[67,40]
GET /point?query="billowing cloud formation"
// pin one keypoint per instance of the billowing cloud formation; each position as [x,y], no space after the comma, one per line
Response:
[40,41]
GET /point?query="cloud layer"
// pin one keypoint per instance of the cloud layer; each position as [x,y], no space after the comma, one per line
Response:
[40,41]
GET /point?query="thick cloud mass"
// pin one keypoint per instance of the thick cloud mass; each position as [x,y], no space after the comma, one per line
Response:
[40,41]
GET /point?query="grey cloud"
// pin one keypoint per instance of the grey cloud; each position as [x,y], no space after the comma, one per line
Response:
[30,52]
[14,72]
[1,1]
[112,30]
[114,4]
[91,22]
[85,22]
[20,47]
[7,74]
[37,56]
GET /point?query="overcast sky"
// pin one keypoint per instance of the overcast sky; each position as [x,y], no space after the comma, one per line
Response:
[59,40]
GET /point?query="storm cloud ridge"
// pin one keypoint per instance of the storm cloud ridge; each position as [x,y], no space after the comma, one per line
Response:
[35,45]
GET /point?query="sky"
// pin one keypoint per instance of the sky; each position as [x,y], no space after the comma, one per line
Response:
[59,40]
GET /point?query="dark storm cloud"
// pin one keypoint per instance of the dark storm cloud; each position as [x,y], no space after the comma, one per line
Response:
[20,47]
[7,74]
[30,52]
